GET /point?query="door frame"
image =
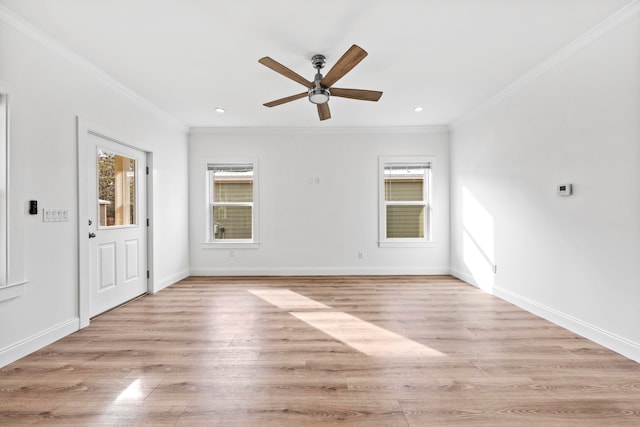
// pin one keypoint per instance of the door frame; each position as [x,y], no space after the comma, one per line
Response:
[84,129]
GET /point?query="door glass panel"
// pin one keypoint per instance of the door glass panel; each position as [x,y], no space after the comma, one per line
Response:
[116,189]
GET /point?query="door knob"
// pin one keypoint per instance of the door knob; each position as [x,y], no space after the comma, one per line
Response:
[92,235]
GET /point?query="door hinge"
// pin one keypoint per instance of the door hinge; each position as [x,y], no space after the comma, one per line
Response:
[147,170]
[147,222]
[147,274]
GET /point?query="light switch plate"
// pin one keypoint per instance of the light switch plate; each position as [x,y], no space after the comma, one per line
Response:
[55,215]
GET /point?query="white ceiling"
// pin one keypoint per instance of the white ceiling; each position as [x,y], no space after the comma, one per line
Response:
[190,56]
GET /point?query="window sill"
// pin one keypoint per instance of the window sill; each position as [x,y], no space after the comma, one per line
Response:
[399,244]
[12,291]
[229,245]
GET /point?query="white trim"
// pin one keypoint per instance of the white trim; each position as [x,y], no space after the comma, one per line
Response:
[383,241]
[36,34]
[85,128]
[167,281]
[464,276]
[407,244]
[595,33]
[83,218]
[95,129]
[230,244]
[152,285]
[5,197]
[320,130]
[36,342]
[17,288]
[317,271]
[598,335]
[255,207]
[12,291]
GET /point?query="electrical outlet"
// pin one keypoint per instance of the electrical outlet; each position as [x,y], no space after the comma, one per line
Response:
[360,255]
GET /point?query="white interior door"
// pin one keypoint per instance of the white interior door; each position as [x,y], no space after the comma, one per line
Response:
[117,223]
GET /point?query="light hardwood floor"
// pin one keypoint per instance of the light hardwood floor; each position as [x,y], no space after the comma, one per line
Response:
[309,351]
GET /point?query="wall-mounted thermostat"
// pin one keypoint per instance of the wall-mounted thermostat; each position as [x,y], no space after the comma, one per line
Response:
[565,189]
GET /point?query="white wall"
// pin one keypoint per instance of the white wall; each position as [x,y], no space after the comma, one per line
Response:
[47,89]
[574,260]
[318,228]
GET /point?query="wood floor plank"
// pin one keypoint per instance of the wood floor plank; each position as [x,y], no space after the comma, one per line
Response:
[209,351]
[546,410]
[281,412]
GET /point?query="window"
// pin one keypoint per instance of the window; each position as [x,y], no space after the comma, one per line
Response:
[12,282]
[232,203]
[116,189]
[405,210]
[4,187]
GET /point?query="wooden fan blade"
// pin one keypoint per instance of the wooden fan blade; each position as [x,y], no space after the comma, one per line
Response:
[364,95]
[323,111]
[279,68]
[350,59]
[285,100]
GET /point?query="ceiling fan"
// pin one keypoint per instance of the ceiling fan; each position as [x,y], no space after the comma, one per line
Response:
[320,89]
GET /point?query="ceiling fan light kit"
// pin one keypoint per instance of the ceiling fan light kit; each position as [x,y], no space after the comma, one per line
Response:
[319,95]
[320,89]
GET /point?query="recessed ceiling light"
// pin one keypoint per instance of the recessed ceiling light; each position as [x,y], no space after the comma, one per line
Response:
[418,109]
[220,110]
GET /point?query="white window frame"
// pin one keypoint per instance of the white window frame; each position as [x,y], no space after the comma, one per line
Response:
[426,241]
[210,241]
[10,288]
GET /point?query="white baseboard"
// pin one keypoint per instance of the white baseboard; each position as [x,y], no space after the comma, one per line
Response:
[160,284]
[318,271]
[598,335]
[464,276]
[36,342]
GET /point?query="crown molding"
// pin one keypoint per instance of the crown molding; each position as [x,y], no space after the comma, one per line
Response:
[20,24]
[618,18]
[318,130]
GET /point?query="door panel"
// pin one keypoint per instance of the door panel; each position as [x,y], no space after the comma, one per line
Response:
[117,212]
[106,266]
[131,259]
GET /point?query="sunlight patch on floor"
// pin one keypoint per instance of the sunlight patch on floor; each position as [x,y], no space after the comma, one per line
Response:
[132,392]
[363,336]
[287,300]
